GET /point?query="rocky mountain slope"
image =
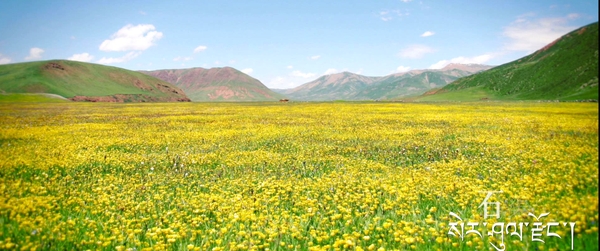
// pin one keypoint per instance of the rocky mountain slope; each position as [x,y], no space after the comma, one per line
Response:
[216,84]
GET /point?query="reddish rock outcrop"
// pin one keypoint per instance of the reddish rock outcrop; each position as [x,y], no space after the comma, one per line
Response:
[126,98]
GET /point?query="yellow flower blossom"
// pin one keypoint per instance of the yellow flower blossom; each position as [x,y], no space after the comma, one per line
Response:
[306,176]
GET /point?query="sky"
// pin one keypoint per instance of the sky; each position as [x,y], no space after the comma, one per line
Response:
[286,43]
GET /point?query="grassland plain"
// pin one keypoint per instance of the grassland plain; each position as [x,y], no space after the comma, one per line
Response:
[296,176]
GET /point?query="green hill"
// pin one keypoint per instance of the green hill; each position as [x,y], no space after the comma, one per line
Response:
[566,69]
[80,81]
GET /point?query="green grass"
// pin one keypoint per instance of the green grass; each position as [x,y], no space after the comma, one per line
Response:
[469,94]
[23,97]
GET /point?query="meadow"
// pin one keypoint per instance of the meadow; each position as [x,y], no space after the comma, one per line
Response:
[296,176]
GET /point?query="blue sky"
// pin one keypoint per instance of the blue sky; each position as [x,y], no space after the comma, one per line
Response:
[285,43]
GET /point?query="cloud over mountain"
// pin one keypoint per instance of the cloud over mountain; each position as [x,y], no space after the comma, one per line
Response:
[132,38]
[127,57]
[4,59]
[481,59]
[302,74]
[82,57]
[34,53]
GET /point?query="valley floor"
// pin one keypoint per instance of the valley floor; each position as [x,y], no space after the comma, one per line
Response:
[305,176]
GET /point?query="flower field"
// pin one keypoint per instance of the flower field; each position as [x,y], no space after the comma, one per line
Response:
[296,176]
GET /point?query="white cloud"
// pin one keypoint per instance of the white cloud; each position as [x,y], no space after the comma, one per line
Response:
[402,68]
[182,58]
[440,64]
[143,12]
[281,83]
[200,48]
[302,74]
[127,57]
[4,59]
[481,59]
[330,71]
[290,67]
[406,1]
[83,57]
[530,35]
[248,70]
[315,57]
[384,15]
[388,15]
[34,53]
[132,38]
[573,16]
[415,51]
[427,34]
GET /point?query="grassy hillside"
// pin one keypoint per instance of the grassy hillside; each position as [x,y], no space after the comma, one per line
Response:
[566,69]
[70,79]
[469,94]
[31,97]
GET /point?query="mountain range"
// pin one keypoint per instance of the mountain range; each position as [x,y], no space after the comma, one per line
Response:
[216,84]
[350,86]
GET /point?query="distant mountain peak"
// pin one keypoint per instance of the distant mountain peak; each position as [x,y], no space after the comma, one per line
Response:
[216,84]
[338,74]
[466,67]
[351,86]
